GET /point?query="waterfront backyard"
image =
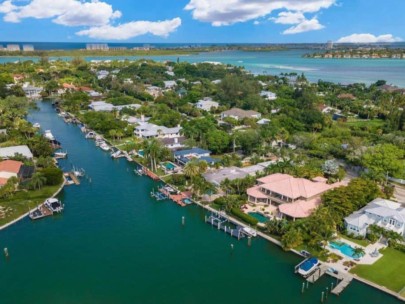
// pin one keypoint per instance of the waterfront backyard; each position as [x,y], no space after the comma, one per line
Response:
[388,271]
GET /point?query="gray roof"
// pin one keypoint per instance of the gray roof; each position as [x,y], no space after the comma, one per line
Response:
[12,151]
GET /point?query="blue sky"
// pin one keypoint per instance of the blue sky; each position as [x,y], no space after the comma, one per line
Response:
[198,21]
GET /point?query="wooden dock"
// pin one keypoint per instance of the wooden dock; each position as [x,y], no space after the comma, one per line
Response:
[317,274]
[74,178]
[220,224]
[345,281]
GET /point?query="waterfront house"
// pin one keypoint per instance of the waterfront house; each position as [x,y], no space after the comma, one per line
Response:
[268,95]
[6,153]
[240,114]
[381,212]
[294,197]
[173,143]
[101,106]
[150,130]
[170,84]
[102,74]
[232,173]
[184,156]
[9,169]
[207,104]
[32,91]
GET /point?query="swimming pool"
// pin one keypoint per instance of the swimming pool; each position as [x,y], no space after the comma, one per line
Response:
[346,249]
[187,201]
[169,166]
[260,217]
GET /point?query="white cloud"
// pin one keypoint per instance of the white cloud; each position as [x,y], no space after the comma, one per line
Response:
[227,12]
[96,15]
[132,29]
[6,7]
[289,18]
[65,12]
[305,26]
[368,38]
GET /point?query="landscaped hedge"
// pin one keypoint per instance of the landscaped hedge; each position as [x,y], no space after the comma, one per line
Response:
[245,217]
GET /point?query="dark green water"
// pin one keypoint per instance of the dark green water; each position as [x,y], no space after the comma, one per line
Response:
[113,244]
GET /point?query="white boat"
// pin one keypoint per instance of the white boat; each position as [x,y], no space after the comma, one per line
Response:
[308,266]
[91,135]
[105,147]
[79,172]
[48,134]
[116,154]
[36,125]
[60,154]
[249,231]
[54,205]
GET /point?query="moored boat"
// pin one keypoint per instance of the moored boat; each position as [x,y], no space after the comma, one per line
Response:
[48,134]
[308,266]
[54,205]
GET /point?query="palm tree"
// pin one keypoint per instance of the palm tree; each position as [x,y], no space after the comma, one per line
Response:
[191,169]
[37,180]
[202,166]
[358,252]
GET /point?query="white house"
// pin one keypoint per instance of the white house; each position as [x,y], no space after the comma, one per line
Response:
[150,130]
[240,114]
[268,95]
[31,91]
[101,106]
[8,152]
[207,104]
[102,74]
[154,91]
[381,212]
[170,84]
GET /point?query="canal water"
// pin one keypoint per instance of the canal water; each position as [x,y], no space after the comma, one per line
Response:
[114,244]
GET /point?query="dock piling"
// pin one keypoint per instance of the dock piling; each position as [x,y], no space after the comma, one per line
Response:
[183,220]
[249,241]
[6,252]
[307,284]
[303,287]
[322,297]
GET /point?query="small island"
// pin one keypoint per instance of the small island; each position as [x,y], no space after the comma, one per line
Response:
[359,53]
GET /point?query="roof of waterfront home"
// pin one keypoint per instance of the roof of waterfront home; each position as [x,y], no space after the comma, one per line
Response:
[12,151]
[197,151]
[240,113]
[293,187]
[300,209]
[255,192]
[10,166]
[148,129]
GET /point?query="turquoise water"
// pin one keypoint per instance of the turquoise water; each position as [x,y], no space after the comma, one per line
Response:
[344,248]
[273,63]
[169,166]
[260,217]
[114,244]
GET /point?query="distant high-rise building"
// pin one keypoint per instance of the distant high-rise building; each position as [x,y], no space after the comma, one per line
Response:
[13,47]
[329,45]
[28,48]
[97,47]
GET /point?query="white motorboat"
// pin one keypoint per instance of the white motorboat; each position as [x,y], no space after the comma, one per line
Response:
[105,147]
[91,135]
[54,205]
[308,266]
[249,231]
[116,154]
[48,134]
[36,125]
[79,172]
[60,154]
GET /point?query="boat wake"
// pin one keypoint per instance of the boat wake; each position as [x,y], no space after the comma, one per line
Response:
[286,67]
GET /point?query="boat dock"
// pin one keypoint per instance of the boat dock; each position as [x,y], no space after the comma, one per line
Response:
[74,178]
[159,196]
[317,274]
[345,280]
[220,223]
[176,197]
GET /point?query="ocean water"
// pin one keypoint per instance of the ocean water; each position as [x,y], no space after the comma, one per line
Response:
[343,71]
[114,244]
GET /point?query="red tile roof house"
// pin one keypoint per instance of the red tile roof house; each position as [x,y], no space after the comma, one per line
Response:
[295,197]
[8,169]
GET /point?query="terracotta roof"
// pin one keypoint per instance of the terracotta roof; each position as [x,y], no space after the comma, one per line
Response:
[10,166]
[294,188]
[300,209]
[3,181]
[255,192]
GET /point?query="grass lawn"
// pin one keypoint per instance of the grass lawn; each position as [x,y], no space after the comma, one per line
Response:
[388,271]
[355,122]
[22,201]
[363,243]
